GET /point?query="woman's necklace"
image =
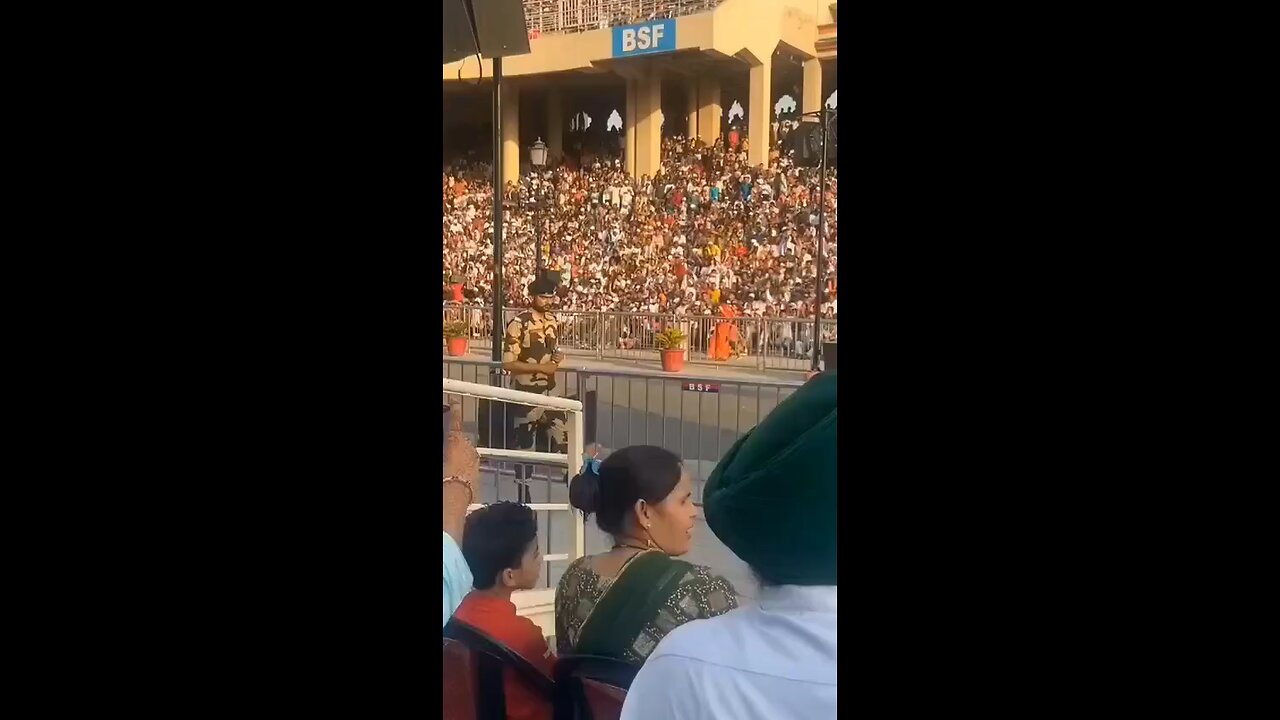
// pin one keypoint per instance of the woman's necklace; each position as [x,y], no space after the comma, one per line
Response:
[625,545]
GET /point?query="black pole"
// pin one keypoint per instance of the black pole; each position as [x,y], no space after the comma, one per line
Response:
[822,212]
[537,235]
[496,378]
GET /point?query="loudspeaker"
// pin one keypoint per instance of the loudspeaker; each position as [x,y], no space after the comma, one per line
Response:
[493,28]
[459,35]
[828,357]
[806,142]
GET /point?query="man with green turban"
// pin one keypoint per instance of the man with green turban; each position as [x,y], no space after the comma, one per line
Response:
[772,500]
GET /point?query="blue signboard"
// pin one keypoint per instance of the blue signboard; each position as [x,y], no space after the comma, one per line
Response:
[658,36]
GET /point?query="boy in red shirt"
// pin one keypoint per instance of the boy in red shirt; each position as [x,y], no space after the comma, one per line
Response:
[500,544]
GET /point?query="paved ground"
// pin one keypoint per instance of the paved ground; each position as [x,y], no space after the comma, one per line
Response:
[649,358]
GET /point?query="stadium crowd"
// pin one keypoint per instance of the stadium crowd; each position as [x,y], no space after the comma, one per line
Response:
[706,231]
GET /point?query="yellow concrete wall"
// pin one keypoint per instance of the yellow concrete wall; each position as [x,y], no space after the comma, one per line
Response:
[756,26]
[823,13]
[747,29]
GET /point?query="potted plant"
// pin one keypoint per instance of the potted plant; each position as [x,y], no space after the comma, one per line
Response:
[670,343]
[457,335]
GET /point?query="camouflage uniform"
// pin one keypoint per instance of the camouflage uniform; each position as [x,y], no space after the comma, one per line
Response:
[533,340]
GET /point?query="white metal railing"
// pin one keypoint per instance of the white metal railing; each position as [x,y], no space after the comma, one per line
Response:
[572,16]
[537,605]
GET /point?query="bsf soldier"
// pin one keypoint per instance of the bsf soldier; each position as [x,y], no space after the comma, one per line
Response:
[531,354]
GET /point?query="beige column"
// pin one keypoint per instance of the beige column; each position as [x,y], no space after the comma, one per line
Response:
[629,127]
[759,112]
[510,132]
[555,126]
[648,147]
[709,109]
[691,107]
[812,100]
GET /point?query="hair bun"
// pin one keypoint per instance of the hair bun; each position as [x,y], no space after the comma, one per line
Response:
[584,491]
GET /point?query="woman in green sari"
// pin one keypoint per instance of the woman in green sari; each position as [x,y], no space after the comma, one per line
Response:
[620,603]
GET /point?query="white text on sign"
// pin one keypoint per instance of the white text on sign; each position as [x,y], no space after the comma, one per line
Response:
[655,36]
[641,38]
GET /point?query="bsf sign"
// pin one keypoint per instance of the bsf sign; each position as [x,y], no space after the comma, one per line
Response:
[649,38]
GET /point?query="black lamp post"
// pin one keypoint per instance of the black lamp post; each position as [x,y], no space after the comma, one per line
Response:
[825,117]
[498,329]
[538,159]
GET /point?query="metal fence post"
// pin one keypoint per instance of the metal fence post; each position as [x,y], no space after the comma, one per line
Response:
[599,335]
[576,449]
[763,336]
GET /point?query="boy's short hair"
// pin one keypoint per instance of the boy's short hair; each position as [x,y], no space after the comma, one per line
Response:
[495,539]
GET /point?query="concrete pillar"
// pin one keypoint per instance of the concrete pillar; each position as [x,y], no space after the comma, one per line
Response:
[555,126]
[649,120]
[709,109]
[759,111]
[812,100]
[691,107]
[629,127]
[511,150]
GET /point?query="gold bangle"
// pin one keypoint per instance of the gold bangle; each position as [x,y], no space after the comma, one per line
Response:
[464,483]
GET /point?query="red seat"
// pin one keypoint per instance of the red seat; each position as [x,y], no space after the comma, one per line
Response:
[459,689]
[481,674]
[591,688]
[604,701]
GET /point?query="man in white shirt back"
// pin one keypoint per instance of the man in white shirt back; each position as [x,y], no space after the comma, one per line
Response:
[771,500]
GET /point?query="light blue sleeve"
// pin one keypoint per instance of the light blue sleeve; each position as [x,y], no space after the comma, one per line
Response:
[457,577]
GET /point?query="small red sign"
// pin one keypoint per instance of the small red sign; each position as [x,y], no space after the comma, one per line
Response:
[535,34]
[702,387]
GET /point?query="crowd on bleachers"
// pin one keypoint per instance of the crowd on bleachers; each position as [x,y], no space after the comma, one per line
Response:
[706,231]
[585,15]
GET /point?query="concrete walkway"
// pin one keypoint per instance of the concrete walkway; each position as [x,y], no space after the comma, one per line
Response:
[743,369]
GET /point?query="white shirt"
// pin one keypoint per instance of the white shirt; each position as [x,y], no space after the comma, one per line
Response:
[774,660]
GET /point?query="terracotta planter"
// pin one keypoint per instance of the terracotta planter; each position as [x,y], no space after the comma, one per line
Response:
[673,360]
[457,346]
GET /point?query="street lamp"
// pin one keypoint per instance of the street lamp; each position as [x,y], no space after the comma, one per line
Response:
[538,158]
[538,154]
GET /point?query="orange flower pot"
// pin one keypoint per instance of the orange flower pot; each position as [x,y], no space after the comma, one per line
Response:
[672,360]
[457,346]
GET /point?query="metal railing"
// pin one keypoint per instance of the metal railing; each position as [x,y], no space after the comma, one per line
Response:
[498,459]
[697,417]
[573,16]
[769,343]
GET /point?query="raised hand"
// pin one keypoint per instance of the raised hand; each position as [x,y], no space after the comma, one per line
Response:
[460,456]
